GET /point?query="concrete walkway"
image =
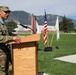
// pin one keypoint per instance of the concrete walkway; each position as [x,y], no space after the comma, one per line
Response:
[69,58]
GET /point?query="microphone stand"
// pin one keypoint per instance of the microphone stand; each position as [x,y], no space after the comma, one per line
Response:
[27,27]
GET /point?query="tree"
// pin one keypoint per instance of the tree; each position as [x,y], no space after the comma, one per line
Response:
[11,25]
[66,25]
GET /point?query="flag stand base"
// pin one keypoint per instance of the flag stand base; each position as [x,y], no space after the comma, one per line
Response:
[47,49]
[57,47]
[40,73]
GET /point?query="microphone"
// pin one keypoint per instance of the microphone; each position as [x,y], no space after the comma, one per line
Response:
[27,27]
[24,26]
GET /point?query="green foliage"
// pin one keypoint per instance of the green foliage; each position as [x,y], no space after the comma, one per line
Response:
[11,25]
[74,30]
[66,25]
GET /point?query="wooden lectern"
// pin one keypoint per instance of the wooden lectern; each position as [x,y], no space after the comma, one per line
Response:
[25,59]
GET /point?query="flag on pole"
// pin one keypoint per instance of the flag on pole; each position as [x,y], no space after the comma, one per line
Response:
[57,28]
[33,24]
[37,28]
[45,30]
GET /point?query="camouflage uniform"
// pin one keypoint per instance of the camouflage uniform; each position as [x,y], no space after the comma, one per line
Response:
[5,55]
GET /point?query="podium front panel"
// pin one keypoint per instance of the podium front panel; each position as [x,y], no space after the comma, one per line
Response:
[25,59]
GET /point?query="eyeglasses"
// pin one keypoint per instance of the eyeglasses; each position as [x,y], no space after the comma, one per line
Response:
[7,12]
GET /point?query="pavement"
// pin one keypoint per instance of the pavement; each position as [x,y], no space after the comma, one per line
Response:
[69,58]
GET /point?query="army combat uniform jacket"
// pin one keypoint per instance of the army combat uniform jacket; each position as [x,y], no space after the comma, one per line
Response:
[5,56]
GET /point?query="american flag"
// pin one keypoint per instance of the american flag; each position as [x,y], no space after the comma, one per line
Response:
[45,30]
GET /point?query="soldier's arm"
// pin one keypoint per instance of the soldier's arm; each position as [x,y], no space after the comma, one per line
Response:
[4,39]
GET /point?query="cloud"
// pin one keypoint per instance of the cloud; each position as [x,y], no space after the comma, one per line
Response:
[58,7]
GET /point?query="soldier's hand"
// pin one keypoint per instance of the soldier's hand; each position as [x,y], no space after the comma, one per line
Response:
[17,39]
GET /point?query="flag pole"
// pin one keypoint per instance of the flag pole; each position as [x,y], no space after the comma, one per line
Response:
[46,38]
[57,31]
[52,39]
[47,30]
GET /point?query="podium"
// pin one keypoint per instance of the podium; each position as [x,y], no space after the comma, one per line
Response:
[25,55]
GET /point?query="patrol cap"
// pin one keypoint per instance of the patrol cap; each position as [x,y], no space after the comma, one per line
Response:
[5,8]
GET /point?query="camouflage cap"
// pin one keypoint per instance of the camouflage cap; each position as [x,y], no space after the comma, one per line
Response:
[4,8]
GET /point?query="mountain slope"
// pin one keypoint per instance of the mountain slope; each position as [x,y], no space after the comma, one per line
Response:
[25,18]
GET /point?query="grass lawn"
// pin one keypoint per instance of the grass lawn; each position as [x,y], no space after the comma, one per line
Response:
[67,46]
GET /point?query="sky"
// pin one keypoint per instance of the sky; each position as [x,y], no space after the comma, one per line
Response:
[37,7]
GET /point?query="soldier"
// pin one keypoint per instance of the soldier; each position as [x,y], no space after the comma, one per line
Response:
[5,55]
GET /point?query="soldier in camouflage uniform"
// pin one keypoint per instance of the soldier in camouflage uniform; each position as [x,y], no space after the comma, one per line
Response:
[5,55]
